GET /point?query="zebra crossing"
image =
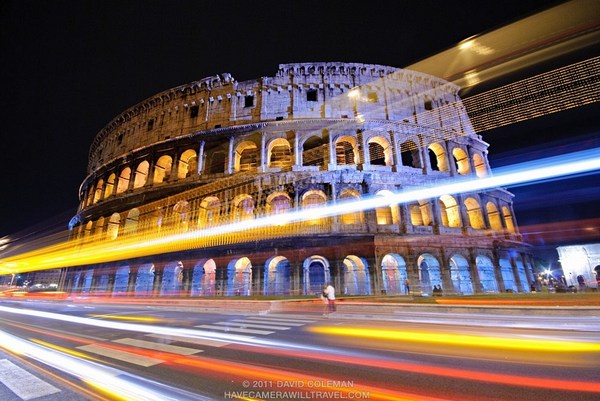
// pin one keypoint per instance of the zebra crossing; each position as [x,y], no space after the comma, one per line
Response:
[17,384]
[248,327]
[22,384]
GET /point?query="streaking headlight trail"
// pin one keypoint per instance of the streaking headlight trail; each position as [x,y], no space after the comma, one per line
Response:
[281,225]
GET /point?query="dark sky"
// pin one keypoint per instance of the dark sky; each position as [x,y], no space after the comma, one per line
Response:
[69,67]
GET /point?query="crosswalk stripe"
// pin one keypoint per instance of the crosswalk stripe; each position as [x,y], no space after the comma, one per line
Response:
[174,349]
[25,385]
[260,326]
[234,329]
[282,319]
[121,355]
[265,321]
[191,340]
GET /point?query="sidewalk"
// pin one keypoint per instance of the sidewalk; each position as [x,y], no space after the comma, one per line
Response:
[583,306]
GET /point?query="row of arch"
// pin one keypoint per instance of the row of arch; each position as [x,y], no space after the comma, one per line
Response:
[256,154]
[472,211]
[280,276]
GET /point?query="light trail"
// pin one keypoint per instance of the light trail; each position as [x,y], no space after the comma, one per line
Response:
[117,384]
[288,224]
[240,371]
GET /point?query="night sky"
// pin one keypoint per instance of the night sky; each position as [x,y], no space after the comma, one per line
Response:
[69,67]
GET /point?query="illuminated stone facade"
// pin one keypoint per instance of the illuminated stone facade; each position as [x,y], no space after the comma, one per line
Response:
[217,151]
[580,265]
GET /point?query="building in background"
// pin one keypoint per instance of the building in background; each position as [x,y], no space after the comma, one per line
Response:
[580,265]
[218,151]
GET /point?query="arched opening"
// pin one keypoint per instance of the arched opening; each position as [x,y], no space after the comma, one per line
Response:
[279,153]
[508,219]
[172,279]
[208,215]
[356,276]
[487,278]
[437,157]
[314,152]
[479,164]
[98,192]
[203,278]
[429,273]
[188,164]
[123,183]
[313,199]
[144,282]
[278,203]
[112,232]
[523,275]
[87,231]
[110,185]
[393,271]
[351,217]
[387,214]
[379,151]
[409,153]
[121,285]
[239,277]
[243,208]
[141,174]
[162,169]
[508,276]
[420,213]
[99,227]
[88,279]
[449,211]
[131,222]
[277,276]
[316,274]
[460,275]
[494,216]
[462,161]
[246,157]
[181,215]
[346,150]
[474,213]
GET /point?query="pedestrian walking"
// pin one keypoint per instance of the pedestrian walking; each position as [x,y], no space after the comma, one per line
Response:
[329,297]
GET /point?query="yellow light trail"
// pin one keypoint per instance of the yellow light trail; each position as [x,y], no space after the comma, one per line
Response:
[74,253]
[450,339]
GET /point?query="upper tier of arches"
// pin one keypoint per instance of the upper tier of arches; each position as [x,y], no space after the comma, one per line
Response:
[412,158]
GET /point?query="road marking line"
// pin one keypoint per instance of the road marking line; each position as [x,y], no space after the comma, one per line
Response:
[174,349]
[192,340]
[260,326]
[121,355]
[282,319]
[234,329]
[257,320]
[24,384]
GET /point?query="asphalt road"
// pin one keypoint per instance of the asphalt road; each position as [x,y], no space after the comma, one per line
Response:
[75,351]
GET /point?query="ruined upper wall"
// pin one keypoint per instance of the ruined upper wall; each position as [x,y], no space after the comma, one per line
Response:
[297,91]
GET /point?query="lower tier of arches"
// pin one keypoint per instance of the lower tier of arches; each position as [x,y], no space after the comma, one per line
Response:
[355,266]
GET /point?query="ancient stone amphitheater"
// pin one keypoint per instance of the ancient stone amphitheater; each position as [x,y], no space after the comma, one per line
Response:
[216,151]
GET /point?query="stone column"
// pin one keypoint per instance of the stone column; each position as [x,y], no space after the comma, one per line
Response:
[201,157]
[131,280]
[158,276]
[297,151]
[332,154]
[174,176]
[230,156]
[263,152]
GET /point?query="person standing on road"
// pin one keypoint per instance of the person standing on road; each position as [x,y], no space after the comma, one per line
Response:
[407,286]
[329,294]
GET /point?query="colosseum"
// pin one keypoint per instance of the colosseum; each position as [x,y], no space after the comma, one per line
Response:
[217,151]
